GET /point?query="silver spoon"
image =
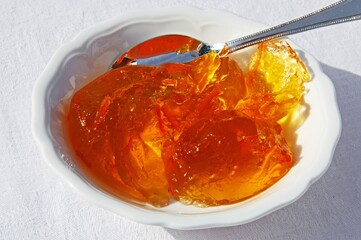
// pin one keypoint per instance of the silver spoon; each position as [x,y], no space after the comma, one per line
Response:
[339,12]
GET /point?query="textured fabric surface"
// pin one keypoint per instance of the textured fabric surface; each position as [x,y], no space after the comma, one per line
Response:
[35,203]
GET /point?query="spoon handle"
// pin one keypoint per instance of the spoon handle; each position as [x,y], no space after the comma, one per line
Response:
[339,12]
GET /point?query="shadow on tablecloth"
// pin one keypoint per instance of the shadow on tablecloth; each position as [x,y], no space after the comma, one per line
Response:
[331,208]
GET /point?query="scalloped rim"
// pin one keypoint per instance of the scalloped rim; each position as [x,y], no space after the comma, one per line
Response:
[40,129]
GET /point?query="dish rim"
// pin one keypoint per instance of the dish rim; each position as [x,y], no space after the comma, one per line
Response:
[40,129]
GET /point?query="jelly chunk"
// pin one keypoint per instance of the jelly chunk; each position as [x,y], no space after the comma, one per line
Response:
[275,81]
[114,130]
[225,159]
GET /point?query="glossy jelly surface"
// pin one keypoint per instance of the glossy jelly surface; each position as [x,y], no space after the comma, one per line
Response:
[203,133]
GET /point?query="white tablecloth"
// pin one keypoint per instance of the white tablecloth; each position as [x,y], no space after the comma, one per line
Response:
[35,203]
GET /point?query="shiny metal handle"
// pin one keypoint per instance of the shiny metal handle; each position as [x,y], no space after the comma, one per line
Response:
[339,12]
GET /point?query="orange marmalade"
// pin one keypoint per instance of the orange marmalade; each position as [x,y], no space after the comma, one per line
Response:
[203,132]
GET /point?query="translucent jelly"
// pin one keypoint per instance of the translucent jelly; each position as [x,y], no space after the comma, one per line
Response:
[202,132]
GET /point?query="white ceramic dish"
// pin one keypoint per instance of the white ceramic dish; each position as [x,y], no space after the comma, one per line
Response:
[90,54]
